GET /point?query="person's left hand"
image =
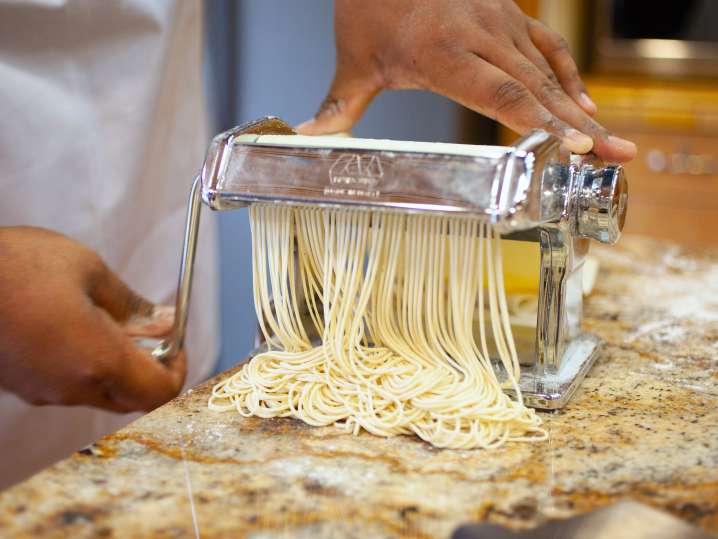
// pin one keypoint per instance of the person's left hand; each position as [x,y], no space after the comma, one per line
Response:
[68,328]
[485,54]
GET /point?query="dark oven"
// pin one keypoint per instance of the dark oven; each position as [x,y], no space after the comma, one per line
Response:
[656,37]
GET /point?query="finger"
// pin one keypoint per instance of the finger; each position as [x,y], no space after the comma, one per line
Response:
[123,376]
[95,400]
[552,96]
[159,323]
[84,390]
[556,51]
[110,293]
[103,400]
[483,87]
[146,383]
[141,381]
[529,50]
[348,98]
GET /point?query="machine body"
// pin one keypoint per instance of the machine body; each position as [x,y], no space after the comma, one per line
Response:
[532,191]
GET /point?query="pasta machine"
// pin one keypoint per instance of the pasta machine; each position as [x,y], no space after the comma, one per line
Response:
[534,193]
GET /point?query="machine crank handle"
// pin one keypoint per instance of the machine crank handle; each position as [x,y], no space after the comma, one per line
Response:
[164,348]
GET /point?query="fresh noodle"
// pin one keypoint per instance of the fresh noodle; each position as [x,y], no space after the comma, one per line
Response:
[392,298]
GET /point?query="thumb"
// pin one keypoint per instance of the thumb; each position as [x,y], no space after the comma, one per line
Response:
[110,293]
[347,100]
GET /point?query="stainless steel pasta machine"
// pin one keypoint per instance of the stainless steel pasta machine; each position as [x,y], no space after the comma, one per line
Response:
[533,192]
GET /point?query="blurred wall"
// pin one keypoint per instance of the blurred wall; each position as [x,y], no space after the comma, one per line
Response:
[277,57]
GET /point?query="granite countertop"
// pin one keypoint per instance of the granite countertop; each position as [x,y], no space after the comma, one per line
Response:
[644,425]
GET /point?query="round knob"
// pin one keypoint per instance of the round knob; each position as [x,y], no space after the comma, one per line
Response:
[601,205]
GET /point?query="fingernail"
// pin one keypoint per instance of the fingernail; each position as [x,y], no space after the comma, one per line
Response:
[626,147]
[163,313]
[157,323]
[587,103]
[577,142]
[304,125]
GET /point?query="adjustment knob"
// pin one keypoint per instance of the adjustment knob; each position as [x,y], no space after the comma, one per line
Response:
[601,205]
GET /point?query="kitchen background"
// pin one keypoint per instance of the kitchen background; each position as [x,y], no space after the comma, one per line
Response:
[651,67]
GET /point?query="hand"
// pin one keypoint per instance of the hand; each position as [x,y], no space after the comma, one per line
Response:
[485,54]
[67,323]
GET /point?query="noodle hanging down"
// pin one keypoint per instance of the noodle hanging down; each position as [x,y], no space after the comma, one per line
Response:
[393,298]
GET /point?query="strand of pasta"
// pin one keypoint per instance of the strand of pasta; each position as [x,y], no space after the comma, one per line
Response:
[393,298]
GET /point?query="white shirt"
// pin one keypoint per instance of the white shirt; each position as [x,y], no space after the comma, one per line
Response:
[103,128]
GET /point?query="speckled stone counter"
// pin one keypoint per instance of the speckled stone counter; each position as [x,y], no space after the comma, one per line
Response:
[644,425]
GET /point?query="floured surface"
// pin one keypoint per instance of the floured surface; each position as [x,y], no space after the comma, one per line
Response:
[644,425]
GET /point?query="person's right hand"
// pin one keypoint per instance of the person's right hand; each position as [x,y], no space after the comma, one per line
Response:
[66,327]
[487,55]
